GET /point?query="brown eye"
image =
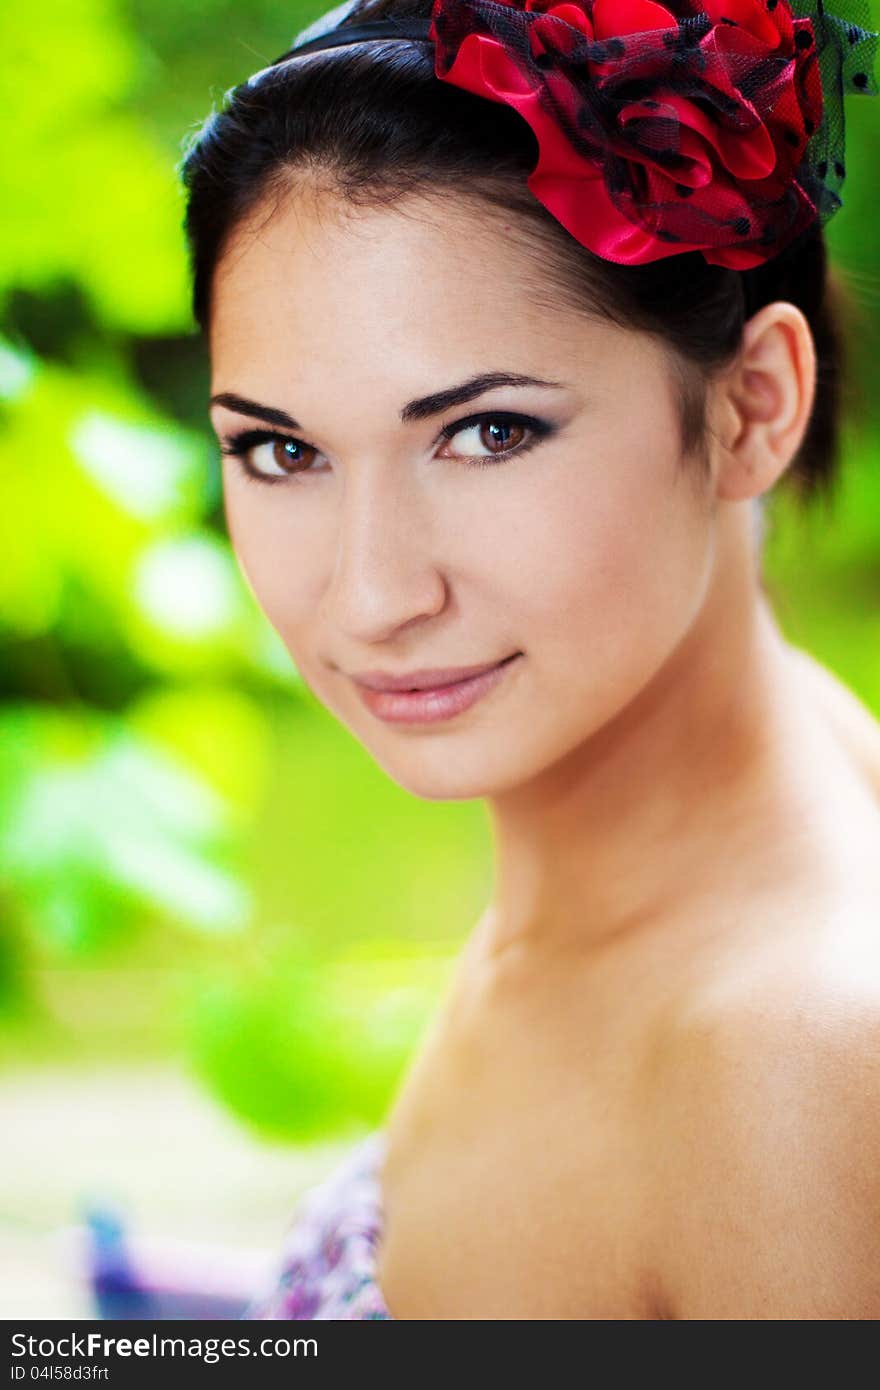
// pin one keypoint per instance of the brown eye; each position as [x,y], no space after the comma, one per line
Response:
[501,435]
[269,456]
[281,456]
[291,455]
[490,435]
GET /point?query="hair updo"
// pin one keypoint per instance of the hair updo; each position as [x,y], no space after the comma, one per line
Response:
[374,124]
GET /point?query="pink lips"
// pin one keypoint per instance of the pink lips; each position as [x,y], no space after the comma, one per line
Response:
[425,679]
[432,703]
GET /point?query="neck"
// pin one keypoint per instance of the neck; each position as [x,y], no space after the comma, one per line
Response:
[682,787]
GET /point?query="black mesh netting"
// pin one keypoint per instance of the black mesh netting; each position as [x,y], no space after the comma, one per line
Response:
[749,71]
[720,128]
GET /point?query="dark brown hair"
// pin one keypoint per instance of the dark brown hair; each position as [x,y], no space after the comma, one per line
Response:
[372,124]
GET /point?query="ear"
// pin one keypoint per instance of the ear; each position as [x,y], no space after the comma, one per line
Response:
[762,405]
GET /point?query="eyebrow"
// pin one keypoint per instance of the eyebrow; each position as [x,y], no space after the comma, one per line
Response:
[422,408]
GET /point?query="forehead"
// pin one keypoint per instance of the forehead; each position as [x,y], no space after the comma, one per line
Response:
[310,283]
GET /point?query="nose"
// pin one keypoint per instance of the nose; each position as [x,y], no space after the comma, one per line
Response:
[385,573]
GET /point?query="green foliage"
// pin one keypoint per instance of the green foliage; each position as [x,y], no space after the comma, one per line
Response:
[94,194]
[96,822]
[302,1049]
[823,571]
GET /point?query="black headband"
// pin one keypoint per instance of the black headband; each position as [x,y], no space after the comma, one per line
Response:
[372,29]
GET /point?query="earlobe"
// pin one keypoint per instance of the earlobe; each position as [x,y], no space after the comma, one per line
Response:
[768,398]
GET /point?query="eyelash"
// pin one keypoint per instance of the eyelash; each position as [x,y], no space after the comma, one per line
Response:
[238,446]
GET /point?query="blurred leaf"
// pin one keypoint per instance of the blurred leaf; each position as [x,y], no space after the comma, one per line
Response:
[299,1054]
[97,821]
[85,179]
[219,732]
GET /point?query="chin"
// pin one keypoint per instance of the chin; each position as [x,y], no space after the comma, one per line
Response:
[445,773]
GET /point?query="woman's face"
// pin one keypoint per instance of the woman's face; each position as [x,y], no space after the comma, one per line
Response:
[405,521]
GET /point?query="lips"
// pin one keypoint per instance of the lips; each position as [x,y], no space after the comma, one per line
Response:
[437,703]
[433,679]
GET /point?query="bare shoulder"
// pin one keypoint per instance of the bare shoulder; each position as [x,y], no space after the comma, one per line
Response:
[765,1135]
[849,717]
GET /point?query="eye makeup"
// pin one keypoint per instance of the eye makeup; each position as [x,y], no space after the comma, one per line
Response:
[242,444]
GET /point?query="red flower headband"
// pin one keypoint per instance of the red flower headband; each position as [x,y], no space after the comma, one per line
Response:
[661,128]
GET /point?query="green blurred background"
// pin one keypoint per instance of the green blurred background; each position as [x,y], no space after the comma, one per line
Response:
[198,863]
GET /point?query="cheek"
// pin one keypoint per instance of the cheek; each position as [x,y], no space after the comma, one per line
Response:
[269,546]
[614,574]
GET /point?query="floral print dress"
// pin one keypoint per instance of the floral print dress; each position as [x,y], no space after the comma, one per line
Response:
[328,1261]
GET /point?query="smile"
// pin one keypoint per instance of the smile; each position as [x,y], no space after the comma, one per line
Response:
[434,704]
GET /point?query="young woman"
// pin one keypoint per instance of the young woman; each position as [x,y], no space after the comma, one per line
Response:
[514,323]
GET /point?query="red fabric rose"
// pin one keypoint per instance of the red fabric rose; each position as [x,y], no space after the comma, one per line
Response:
[662,128]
